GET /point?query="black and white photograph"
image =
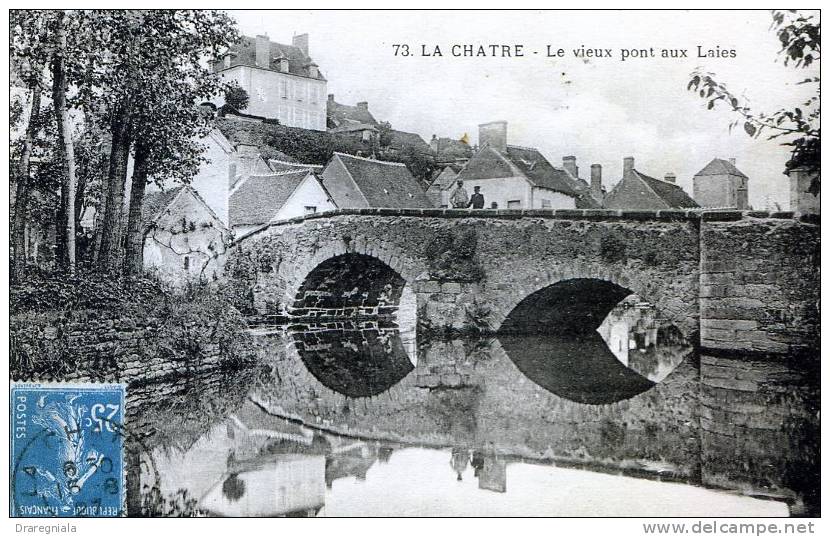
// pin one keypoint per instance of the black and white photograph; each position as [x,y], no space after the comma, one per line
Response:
[415,263]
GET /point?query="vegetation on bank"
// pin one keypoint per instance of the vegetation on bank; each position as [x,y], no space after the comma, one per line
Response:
[184,326]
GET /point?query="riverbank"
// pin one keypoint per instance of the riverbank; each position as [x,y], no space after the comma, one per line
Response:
[91,328]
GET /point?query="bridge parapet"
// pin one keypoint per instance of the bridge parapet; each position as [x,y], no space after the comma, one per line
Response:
[557,214]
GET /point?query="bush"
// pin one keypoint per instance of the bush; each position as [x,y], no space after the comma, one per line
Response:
[452,256]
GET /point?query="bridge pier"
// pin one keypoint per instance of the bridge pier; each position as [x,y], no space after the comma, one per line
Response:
[759,365]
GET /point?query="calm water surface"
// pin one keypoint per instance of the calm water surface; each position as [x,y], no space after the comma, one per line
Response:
[363,419]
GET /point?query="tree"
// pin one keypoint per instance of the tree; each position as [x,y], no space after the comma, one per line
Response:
[800,37]
[166,121]
[28,56]
[236,97]
[66,222]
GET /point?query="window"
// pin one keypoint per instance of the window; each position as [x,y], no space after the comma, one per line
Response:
[284,89]
[310,209]
[186,263]
[514,204]
[545,204]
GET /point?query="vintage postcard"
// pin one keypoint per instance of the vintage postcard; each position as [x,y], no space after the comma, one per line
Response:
[415,264]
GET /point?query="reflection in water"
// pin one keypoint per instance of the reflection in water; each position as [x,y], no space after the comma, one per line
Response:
[580,368]
[263,466]
[353,360]
[496,411]
[641,340]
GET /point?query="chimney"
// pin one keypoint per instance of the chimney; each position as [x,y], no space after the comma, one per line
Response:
[301,42]
[569,163]
[282,63]
[363,105]
[331,98]
[732,161]
[628,165]
[494,134]
[670,178]
[263,49]
[596,181]
[433,144]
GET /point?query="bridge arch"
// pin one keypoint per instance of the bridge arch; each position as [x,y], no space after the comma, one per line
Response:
[348,277]
[588,292]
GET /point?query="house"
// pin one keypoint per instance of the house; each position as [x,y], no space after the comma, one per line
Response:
[359,182]
[224,163]
[340,115]
[721,184]
[402,140]
[282,81]
[450,150]
[514,177]
[439,190]
[258,200]
[637,191]
[184,239]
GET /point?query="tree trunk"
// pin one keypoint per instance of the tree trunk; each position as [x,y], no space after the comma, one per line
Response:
[21,198]
[134,250]
[107,252]
[67,205]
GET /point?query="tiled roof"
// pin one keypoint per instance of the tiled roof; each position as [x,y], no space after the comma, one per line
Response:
[244,53]
[155,203]
[673,195]
[449,148]
[490,163]
[256,199]
[344,114]
[719,166]
[541,172]
[385,184]
[401,139]
[353,127]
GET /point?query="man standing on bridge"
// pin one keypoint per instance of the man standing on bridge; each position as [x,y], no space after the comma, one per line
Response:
[459,198]
[477,200]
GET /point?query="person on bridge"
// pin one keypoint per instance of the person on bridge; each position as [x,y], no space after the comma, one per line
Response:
[459,198]
[477,200]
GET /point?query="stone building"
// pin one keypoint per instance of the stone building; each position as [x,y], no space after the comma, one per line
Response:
[637,191]
[514,177]
[721,184]
[257,200]
[184,239]
[439,189]
[340,115]
[359,182]
[282,81]
[801,199]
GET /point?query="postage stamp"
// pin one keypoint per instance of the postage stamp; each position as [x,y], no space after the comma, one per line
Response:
[67,450]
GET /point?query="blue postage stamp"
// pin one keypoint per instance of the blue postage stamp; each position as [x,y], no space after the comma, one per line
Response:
[67,450]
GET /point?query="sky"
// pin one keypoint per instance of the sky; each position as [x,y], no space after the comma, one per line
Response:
[600,110]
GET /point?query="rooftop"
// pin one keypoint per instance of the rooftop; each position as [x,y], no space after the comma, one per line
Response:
[673,195]
[719,166]
[256,199]
[385,184]
[244,53]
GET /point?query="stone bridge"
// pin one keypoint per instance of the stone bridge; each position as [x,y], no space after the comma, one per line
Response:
[729,280]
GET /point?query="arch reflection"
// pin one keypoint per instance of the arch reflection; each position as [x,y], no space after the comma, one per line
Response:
[351,358]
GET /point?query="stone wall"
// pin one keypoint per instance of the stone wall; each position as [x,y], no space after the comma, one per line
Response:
[759,283]
[95,346]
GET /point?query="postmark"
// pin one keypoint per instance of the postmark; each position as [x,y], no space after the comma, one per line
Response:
[67,450]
